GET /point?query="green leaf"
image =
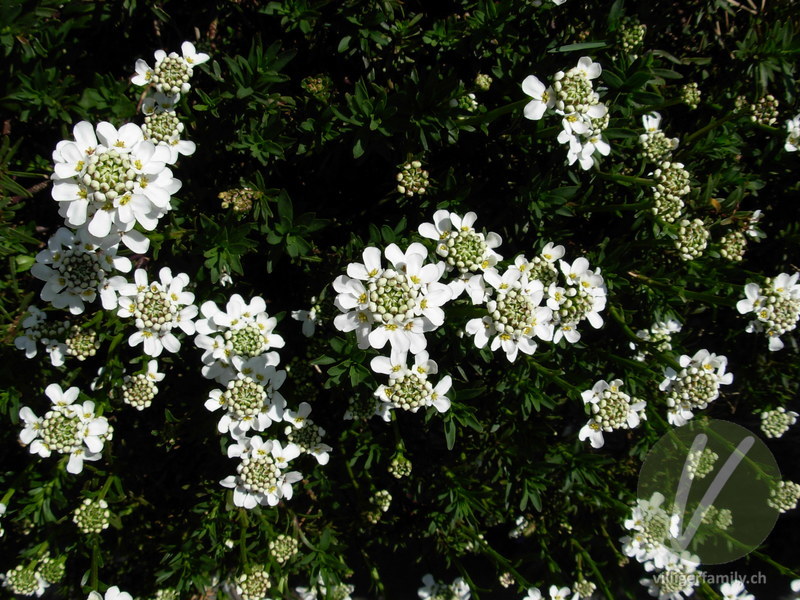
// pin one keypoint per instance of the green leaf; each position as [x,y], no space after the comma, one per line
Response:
[580,46]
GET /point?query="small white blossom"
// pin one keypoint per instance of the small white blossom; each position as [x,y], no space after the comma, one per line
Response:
[260,478]
[172,72]
[776,306]
[695,385]
[610,409]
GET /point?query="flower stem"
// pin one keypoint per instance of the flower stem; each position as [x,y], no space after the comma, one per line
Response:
[593,567]
[626,178]
[703,130]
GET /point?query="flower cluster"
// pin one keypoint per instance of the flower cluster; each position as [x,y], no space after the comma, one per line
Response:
[659,335]
[163,127]
[397,304]
[572,97]
[483,82]
[650,543]
[408,388]
[672,184]
[380,502]
[784,496]
[692,239]
[171,73]
[92,516]
[631,35]
[765,110]
[656,146]
[321,87]
[76,270]
[774,423]
[158,307]
[700,463]
[239,200]
[776,305]
[792,134]
[81,344]
[610,409]
[283,548]
[690,95]
[38,331]
[412,179]
[733,245]
[25,580]
[466,102]
[139,389]
[254,584]
[67,428]
[694,386]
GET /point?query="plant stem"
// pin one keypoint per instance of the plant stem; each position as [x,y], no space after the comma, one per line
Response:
[594,568]
[703,130]
[613,207]
[626,178]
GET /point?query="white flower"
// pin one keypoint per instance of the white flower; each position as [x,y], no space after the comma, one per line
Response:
[408,387]
[158,308]
[582,297]
[305,434]
[462,247]
[543,98]
[67,428]
[112,593]
[260,477]
[396,304]
[611,409]
[792,134]
[734,590]
[243,329]
[651,122]
[309,318]
[432,589]
[75,270]
[163,127]
[251,399]
[111,187]
[171,73]
[776,306]
[695,385]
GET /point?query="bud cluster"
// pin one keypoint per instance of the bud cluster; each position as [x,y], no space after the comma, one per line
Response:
[82,344]
[774,423]
[690,95]
[283,548]
[695,385]
[412,179]
[692,239]
[765,110]
[321,87]
[784,496]
[400,466]
[721,518]
[380,502]
[92,516]
[701,462]
[465,102]
[656,146]
[24,580]
[239,200]
[483,82]
[582,587]
[672,184]
[138,390]
[733,245]
[254,584]
[631,35]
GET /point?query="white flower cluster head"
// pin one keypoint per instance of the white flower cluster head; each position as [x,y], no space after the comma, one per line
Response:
[108,180]
[75,270]
[776,305]
[139,389]
[434,590]
[159,308]
[408,387]
[610,409]
[659,334]
[534,299]
[340,591]
[784,496]
[67,428]
[462,247]
[572,97]
[38,331]
[171,73]
[396,304]
[694,386]
[655,145]
[692,239]
[650,541]
[163,127]
[774,423]
[792,134]
[238,346]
